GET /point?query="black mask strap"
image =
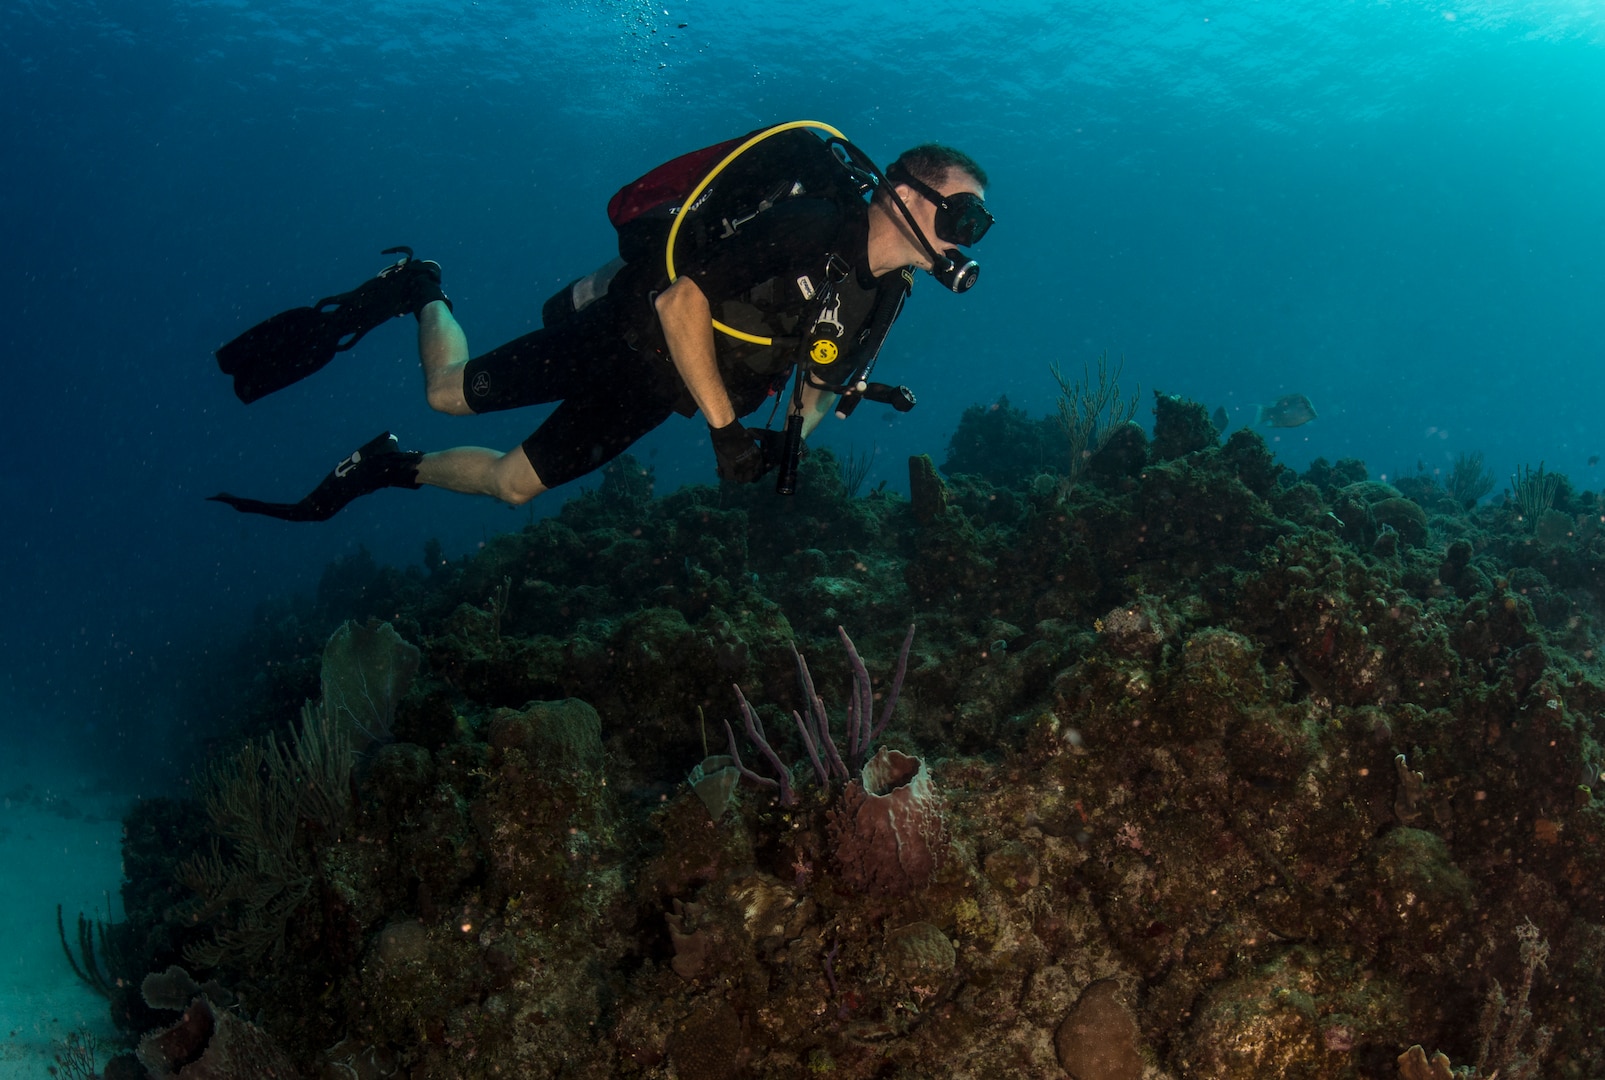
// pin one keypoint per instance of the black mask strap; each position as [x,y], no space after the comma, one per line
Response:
[940,263]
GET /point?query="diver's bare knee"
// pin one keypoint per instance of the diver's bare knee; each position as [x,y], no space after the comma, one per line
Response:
[518,490]
[517,482]
[447,397]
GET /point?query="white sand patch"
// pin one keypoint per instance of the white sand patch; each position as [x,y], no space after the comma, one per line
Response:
[59,843]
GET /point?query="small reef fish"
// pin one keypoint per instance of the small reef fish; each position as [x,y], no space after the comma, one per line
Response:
[1289,411]
[1219,420]
[1593,460]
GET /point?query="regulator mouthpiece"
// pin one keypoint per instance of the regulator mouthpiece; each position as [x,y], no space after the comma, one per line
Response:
[956,271]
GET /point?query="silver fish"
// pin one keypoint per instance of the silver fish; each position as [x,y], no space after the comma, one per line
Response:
[1289,411]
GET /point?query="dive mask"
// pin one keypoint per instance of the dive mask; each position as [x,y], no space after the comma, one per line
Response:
[961,218]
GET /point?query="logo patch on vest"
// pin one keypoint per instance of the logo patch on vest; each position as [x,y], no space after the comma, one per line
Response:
[823,351]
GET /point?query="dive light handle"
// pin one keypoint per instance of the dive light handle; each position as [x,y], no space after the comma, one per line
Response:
[790,455]
[899,397]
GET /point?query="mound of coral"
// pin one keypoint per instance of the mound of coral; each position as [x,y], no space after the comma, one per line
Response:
[1198,768]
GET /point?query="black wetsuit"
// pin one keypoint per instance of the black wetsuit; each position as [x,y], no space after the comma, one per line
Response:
[608,364]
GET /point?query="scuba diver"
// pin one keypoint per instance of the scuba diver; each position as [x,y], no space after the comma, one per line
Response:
[807,278]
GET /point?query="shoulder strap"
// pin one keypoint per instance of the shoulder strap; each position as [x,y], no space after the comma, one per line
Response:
[889,299]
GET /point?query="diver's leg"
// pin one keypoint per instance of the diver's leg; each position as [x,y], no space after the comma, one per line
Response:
[443,350]
[381,463]
[603,406]
[474,470]
[541,367]
[590,429]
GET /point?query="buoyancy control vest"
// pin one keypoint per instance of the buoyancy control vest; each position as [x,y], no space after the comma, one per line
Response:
[687,204]
[702,198]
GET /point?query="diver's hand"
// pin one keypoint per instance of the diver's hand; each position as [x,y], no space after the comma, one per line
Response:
[742,455]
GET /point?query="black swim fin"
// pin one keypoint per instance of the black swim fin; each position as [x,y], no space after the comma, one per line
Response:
[293,344]
[379,463]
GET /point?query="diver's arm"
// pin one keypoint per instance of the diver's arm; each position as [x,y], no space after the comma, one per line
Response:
[687,322]
[816,403]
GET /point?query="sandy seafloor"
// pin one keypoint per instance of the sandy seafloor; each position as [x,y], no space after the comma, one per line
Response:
[60,842]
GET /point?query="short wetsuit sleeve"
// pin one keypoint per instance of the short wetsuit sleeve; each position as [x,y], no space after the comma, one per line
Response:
[787,241]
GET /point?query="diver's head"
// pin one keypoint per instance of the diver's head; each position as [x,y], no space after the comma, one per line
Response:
[935,191]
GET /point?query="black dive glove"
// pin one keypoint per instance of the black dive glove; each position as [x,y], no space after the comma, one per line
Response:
[379,463]
[774,446]
[743,455]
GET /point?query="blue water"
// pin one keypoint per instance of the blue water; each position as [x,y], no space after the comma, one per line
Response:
[1394,208]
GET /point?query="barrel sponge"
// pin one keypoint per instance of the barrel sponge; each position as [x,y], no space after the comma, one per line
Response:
[888,833]
[207,1044]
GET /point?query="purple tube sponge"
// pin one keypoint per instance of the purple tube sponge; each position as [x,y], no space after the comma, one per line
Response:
[813,725]
[887,832]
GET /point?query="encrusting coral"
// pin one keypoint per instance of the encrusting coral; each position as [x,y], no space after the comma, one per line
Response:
[1242,773]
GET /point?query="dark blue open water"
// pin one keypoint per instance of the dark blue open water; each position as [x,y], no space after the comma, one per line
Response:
[1394,208]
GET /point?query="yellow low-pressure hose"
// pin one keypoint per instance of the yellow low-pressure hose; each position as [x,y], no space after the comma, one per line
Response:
[674,230]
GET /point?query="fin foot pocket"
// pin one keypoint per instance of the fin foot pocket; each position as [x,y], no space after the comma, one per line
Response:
[378,463]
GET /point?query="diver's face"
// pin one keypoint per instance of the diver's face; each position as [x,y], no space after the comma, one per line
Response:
[954,207]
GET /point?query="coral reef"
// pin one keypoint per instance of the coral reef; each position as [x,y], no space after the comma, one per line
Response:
[1241,773]
[1002,445]
[1099,1039]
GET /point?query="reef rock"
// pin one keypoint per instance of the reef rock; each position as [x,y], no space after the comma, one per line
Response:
[1180,427]
[707,1045]
[926,490]
[1308,1012]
